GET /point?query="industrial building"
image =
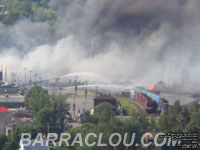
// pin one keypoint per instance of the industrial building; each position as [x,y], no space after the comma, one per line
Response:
[11,100]
[105,99]
[9,96]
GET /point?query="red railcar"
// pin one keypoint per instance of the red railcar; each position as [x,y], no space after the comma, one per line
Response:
[146,101]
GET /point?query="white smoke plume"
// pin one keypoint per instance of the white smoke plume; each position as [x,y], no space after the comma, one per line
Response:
[140,40]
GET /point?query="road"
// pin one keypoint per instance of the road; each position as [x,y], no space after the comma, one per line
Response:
[81,103]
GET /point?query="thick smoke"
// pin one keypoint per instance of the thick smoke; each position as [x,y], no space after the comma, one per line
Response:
[144,41]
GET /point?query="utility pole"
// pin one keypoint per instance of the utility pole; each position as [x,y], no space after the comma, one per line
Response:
[76,85]
[74,107]
[47,84]
[75,95]
[86,91]
[12,122]
[5,73]
[53,87]
[25,76]
[96,90]
[2,72]
[84,107]
[30,77]
[40,81]
[11,77]
[35,79]
[18,81]
[47,129]
[14,80]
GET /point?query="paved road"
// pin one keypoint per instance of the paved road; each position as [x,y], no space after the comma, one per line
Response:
[81,103]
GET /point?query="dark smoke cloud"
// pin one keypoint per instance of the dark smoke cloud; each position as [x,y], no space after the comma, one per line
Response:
[141,40]
[25,35]
[130,17]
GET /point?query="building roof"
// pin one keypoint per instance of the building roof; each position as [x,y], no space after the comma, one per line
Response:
[37,146]
[23,114]
[5,115]
[4,109]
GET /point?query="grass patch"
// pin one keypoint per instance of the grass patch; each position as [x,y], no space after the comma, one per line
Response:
[125,104]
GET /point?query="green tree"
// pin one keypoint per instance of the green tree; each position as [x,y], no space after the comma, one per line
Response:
[48,110]
[33,10]
[173,120]
[104,112]
[21,10]
[104,121]
[194,125]
[33,130]
[11,145]
[37,99]
[60,108]
[87,118]
[3,140]
[54,114]
[185,118]
[45,117]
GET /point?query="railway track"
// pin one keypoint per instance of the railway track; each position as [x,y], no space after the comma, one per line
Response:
[138,107]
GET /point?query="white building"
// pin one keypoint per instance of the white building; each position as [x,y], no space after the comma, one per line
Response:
[37,146]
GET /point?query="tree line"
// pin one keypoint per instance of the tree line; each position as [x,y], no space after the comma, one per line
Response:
[35,10]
